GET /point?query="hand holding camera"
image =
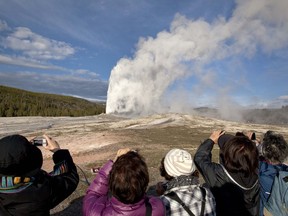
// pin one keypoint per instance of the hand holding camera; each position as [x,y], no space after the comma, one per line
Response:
[39,141]
[47,142]
[216,134]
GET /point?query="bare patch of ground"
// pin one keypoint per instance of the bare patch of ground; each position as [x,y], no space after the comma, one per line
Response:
[95,139]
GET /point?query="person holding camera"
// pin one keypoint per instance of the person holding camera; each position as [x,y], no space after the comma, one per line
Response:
[25,188]
[119,188]
[234,180]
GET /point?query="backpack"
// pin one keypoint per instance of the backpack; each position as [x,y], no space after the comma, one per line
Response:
[277,203]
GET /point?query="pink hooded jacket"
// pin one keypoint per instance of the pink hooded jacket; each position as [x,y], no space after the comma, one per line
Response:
[97,201]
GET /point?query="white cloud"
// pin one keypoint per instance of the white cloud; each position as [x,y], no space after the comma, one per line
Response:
[37,46]
[22,61]
[84,72]
[284,97]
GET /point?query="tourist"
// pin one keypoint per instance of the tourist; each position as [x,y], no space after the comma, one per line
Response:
[234,181]
[26,189]
[273,159]
[126,179]
[181,192]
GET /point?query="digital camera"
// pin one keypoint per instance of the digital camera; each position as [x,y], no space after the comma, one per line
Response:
[39,141]
[253,136]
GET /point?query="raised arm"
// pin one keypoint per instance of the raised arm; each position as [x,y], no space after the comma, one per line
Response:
[203,158]
[64,178]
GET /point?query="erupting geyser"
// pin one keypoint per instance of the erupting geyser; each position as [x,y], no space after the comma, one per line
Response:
[152,80]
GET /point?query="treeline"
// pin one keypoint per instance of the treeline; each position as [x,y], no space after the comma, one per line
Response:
[16,102]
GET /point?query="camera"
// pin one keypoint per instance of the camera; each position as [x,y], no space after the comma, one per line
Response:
[253,136]
[39,141]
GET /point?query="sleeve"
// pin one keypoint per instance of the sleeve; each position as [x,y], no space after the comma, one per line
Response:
[266,178]
[203,161]
[97,193]
[64,178]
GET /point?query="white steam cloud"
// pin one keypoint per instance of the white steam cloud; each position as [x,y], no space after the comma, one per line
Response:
[151,81]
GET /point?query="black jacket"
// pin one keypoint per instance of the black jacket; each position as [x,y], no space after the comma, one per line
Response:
[230,198]
[47,190]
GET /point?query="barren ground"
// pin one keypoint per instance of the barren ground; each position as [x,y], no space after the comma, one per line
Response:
[95,139]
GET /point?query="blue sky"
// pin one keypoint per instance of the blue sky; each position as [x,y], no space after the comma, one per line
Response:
[165,54]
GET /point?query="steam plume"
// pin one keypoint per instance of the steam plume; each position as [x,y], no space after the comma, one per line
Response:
[152,80]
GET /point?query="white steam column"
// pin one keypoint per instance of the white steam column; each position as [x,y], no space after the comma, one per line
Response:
[192,49]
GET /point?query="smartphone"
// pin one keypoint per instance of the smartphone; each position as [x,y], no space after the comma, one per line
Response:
[39,141]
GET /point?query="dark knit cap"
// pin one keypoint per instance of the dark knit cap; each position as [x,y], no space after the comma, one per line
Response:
[18,157]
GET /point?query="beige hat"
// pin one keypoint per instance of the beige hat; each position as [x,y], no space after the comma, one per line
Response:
[179,162]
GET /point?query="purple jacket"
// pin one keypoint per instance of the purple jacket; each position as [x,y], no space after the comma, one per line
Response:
[97,201]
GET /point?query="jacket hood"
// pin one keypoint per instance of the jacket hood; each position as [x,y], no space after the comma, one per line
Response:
[18,157]
[223,139]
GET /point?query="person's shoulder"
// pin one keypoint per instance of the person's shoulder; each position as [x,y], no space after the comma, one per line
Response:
[268,171]
[155,201]
[205,187]
[284,167]
[157,205]
[266,166]
[218,169]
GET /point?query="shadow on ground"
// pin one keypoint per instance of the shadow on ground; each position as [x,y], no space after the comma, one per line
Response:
[75,208]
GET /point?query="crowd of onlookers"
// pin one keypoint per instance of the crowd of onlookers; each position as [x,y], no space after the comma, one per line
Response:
[249,179]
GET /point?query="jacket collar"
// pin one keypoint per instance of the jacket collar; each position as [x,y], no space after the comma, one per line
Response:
[122,207]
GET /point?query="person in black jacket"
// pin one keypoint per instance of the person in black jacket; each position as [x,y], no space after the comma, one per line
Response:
[234,181]
[26,189]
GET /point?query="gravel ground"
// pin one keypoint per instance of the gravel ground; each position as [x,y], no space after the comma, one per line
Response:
[92,140]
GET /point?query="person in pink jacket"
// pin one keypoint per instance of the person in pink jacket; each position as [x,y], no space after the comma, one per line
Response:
[119,188]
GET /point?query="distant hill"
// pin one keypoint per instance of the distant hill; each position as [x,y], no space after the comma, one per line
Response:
[17,102]
[258,116]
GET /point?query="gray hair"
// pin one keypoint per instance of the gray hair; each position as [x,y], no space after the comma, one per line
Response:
[274,147]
